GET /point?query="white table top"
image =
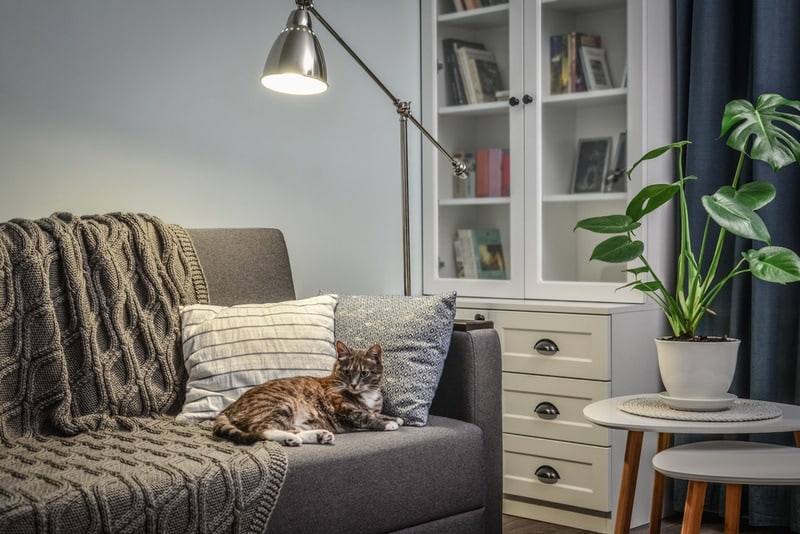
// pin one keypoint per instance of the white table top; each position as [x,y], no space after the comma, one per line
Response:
[605,413]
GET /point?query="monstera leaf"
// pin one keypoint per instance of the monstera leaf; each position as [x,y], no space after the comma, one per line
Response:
[771,143]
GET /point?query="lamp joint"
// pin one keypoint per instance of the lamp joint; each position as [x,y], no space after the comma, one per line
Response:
[304,4]
[403,108]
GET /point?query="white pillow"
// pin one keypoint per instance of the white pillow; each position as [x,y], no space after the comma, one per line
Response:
[228,350]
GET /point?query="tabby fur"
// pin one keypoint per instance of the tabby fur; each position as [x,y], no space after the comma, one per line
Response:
[306,409]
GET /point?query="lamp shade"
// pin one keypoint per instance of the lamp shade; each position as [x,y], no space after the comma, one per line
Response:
[295,64]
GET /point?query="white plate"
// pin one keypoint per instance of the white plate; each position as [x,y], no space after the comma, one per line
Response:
[698,405]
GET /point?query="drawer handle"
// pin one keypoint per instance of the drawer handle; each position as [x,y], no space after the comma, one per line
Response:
[546,347]
[547,410]
[547,475]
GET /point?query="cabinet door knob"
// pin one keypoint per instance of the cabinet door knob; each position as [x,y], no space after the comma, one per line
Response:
[546,410]
[527,99]
[547,475]
[546,347]
[513,100]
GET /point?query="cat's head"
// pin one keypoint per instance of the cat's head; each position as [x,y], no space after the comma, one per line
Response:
[358,370]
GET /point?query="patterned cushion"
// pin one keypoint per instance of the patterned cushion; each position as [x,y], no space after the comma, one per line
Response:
[414,333]
[228,350]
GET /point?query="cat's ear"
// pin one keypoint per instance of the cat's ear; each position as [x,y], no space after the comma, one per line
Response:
[375,352]
[342,350]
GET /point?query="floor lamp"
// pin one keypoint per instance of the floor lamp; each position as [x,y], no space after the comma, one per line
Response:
[296,65]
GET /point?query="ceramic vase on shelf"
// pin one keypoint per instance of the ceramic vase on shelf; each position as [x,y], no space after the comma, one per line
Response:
[699,372]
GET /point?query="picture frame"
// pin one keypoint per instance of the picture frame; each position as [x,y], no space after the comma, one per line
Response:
[591,165]
[616,181]
[595,68]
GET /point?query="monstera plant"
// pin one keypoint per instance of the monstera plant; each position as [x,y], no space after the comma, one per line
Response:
[768,132]
[765,132]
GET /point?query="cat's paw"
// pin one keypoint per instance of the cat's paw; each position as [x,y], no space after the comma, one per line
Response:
[391,425]
[399,421]
[325,437]
[294,441]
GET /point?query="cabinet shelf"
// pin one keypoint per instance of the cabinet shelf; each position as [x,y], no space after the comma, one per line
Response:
[586,197]
[483,201]
[482,17]
[587,98]
[485,108]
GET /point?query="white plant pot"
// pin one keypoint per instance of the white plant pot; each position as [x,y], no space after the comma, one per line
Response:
[697,369]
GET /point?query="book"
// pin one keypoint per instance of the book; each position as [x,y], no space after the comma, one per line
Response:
[482,249]
[489,172]
[455,95]
[505,181]
[465,250]
[556,48]
[480,74]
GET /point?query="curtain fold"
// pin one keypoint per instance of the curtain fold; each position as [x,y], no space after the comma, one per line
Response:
[728,49]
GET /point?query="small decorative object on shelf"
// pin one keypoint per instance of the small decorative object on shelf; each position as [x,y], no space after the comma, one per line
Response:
[595,68]
[615,181]
[591,165]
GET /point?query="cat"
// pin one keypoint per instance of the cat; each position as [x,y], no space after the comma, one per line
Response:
[306,409]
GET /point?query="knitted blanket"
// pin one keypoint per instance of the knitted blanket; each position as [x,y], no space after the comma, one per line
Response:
[91,375]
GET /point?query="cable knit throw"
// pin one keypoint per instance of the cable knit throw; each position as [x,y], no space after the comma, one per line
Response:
[91,376]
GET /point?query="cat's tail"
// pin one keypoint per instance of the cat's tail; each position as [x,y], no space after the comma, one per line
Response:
[223,428]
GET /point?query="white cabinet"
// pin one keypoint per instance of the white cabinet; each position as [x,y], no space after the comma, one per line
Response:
[547,291]
[557,358]
[541,132]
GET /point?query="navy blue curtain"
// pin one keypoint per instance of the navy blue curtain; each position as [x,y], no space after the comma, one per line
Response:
[727,49]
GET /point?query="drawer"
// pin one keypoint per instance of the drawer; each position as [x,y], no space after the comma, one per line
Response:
[522,394]
[582,343]
[582,472]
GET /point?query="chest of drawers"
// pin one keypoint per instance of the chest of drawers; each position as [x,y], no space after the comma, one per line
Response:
[557,358]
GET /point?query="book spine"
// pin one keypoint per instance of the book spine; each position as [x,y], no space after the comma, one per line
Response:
[495,172]
[467,246]
[556,44]
[505,188]
[482,172]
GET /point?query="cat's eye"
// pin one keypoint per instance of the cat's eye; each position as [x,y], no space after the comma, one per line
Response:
[365,373]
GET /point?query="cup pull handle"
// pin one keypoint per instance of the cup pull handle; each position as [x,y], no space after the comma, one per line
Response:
[547,475]
[547,410]
[546,347]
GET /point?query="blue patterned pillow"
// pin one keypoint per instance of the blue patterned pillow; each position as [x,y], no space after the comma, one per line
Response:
[414,333]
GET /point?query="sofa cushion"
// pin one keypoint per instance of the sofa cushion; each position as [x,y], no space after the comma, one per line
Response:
[414,333]
[413,475]
[228,350]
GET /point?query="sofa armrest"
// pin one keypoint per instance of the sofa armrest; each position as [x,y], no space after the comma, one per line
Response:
[470,390]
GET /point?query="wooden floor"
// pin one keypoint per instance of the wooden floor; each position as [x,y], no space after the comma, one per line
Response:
[518,525]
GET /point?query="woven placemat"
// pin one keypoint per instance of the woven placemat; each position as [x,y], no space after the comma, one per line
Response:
[742,410]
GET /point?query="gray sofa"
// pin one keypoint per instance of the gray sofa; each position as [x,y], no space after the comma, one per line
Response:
[443,477]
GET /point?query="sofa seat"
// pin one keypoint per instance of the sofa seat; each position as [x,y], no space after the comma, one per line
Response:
[162,476]
[414,475]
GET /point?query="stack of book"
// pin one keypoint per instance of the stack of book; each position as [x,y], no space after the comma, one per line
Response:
[488,174]
[471,73]
[569,54]
[479,254]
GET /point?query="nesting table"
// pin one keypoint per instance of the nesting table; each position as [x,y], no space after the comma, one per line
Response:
[607,413]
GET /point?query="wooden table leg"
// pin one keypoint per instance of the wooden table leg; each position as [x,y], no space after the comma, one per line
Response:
[733,507]
[627,486]
[657,502]
[797,437]
[693,509]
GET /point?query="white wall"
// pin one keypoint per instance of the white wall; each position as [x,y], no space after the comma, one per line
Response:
[155,106]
